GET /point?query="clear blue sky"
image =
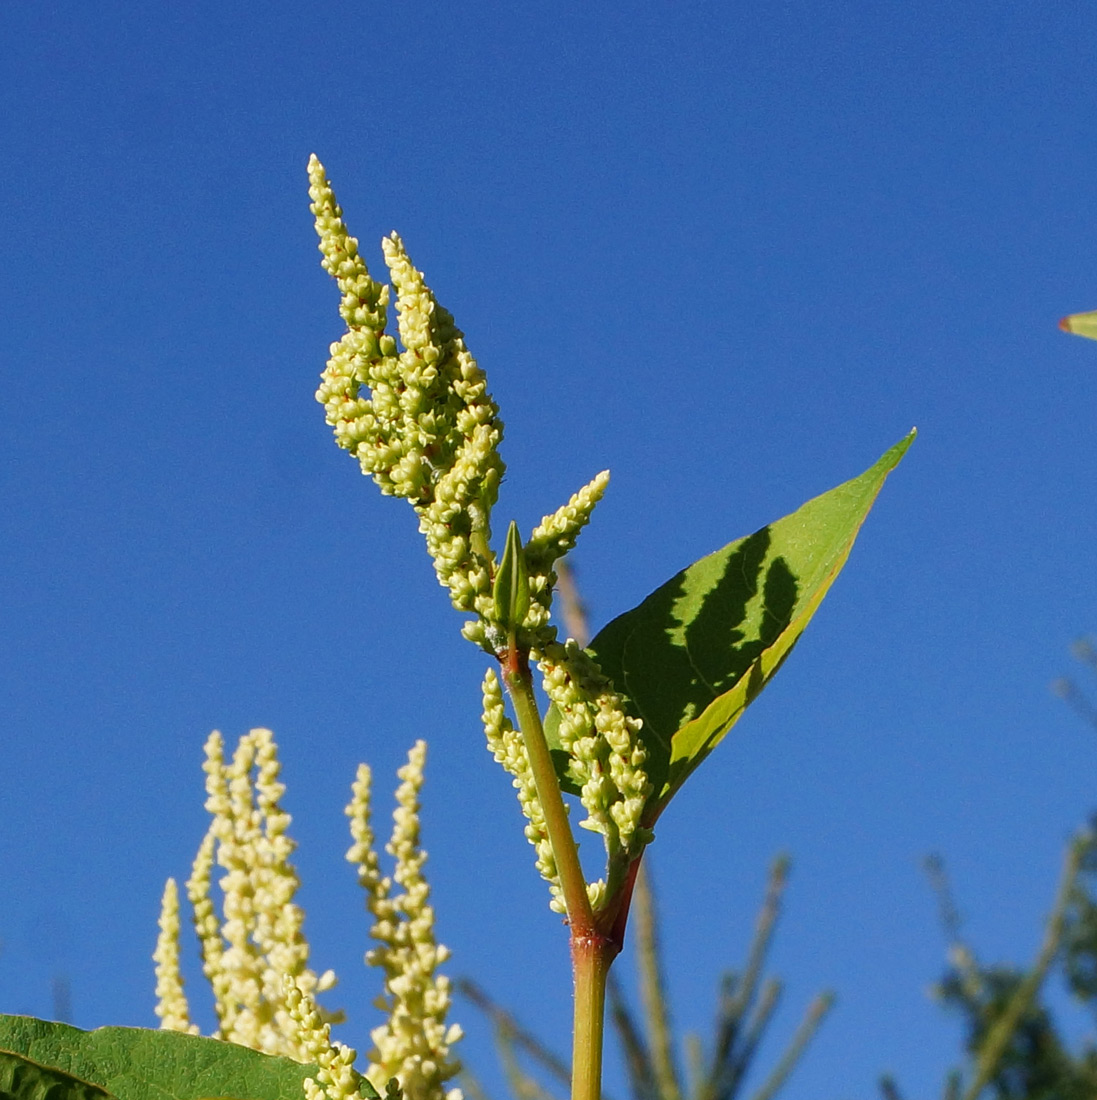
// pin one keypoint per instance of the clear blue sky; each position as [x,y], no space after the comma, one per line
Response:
[730,251]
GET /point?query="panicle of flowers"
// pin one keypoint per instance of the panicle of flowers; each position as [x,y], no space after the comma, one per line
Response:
[260,942]
[336,1078]
[506,745]
[606,756]
[429,430]
[552,538]
[171,1001]
[413,1044]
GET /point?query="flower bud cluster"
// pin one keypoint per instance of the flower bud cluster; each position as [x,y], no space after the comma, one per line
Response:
[506,745]
[171,1001]
[429,430]
[607,754]
[413,1045]
[261,939]
[552,538]
[335,1078]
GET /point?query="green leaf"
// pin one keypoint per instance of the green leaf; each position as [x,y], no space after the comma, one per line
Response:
[129,1063]
[699,649]
[23,1079]
[1081,324]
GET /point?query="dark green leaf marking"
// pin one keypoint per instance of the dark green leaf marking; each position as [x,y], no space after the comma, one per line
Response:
[23,1079]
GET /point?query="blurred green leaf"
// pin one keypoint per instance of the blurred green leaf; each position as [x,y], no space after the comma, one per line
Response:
[1081,324]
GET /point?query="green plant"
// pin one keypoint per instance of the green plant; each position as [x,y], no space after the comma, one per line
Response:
[649,1048]
[1014,1045]
[622,725]
[632,715]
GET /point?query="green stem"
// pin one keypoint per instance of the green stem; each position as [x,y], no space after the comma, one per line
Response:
[591,956]
[592,950]
[519,684]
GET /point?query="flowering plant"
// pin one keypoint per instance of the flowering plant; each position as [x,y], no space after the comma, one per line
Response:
[621,725]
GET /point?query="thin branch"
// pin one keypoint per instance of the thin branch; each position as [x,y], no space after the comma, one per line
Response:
[889,1090]
[763,934]
[573,611]
[737,994]
[1067,690]
[817,1010]
[948,914]
[519,685]
[471,1087]
[522,1085]
[736,1070]
[503,1020]
[695,1065]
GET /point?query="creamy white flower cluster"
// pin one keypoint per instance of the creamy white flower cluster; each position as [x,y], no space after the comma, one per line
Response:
[429,430]
[260,941]
[506,745]
[171,1000]
[336,1078]
[413,1044]
[606,757]
[552,538]
[256,957]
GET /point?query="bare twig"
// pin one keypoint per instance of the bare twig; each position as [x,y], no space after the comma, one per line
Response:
[817,1010]
[653,989]
[505,1023]
[572,608]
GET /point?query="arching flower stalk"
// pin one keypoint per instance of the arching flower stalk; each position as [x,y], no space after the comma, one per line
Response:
[421,422]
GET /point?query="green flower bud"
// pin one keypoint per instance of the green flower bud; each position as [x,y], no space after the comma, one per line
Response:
[510,592]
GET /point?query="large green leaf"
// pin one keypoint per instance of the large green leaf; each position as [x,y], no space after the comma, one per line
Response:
[141,1064]
[697,651]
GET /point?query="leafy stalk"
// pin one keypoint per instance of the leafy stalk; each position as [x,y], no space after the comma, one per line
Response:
[591,951]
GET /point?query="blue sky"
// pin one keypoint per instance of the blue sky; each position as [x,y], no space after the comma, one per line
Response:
[732,252]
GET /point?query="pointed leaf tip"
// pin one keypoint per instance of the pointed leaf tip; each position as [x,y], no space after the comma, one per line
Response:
[1081,324]
[694,655]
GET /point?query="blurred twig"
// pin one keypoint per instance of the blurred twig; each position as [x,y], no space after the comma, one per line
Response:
[1083,650]
[653,992]
[573,610]
[512,1033]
